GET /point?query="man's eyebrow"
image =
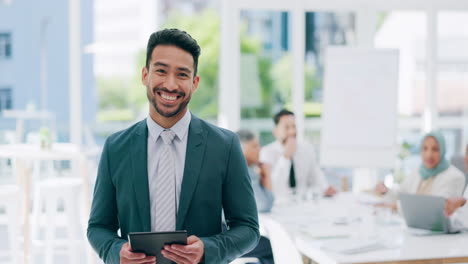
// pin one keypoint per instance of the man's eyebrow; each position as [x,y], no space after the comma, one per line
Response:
[184,69]
[160,64]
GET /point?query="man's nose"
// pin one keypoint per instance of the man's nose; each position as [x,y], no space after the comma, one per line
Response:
[170,83]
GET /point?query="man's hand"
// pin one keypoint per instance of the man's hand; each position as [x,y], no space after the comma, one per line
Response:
[330,191]
[392,206]
[129,257]
[265,179]
[452,204]
[380,188]
[290,146]
[190,254]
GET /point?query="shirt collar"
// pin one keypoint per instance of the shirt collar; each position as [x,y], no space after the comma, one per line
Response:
[180,128]
[278,145]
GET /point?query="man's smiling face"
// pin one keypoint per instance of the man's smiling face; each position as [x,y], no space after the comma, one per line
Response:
[169,80]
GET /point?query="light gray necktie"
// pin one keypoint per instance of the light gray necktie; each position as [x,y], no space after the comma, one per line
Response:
[165,197]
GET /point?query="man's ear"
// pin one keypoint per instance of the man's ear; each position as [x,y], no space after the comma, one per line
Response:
[196,80]
[144,76]
[275,132]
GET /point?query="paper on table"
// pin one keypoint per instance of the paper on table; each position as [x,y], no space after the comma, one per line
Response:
[331,232]
[366,198]
[355,246]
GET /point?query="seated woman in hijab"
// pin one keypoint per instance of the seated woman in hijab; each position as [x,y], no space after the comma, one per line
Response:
[434,177]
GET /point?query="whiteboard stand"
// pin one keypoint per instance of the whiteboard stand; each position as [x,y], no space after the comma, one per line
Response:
[364,179]
[360,112]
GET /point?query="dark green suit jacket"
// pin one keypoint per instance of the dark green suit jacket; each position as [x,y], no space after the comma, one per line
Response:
[215,179]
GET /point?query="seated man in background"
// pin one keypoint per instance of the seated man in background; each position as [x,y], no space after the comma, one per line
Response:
[456,208]
[261,185]
[259,172]
[294,168]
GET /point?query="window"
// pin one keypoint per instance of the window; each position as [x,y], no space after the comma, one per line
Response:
[5,99]
[5,45]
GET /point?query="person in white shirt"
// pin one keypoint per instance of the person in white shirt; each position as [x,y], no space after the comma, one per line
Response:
[456,208]
[294,165]
[435,176]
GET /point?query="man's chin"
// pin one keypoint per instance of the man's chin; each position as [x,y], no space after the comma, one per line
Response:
[168,113]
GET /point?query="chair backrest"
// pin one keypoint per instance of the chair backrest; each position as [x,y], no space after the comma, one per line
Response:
[458,162]
[283,247]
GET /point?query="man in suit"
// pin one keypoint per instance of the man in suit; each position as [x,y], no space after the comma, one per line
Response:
[173,171]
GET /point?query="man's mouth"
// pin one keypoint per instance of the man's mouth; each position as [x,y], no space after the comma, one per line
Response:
[168,97]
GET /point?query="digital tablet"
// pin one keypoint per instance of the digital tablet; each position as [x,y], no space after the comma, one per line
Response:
[151,243]
[425,212]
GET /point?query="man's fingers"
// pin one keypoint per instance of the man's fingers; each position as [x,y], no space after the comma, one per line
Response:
[133,256]
[192,239]
[180,259]
[151,262]
[182,249]
[149,259]
[190,248]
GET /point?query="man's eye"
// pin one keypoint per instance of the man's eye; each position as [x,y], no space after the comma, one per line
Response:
[160,70]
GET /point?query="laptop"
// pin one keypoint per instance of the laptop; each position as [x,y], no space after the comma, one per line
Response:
[425,212]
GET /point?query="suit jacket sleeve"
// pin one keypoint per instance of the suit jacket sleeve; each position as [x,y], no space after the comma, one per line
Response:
[240,212]
[103,222]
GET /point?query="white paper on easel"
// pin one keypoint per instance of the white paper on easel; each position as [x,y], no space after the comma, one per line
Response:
[360,108]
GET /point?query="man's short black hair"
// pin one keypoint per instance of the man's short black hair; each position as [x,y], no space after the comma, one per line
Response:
[245,135]
[283,112]
[176,37]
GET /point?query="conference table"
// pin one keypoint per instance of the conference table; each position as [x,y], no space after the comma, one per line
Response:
[24,156]
[350,229]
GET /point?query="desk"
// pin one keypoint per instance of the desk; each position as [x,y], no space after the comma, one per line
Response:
[313,225]
[26,153]
[21,115]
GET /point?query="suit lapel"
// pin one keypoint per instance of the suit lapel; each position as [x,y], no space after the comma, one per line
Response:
[140,173]
[196,144]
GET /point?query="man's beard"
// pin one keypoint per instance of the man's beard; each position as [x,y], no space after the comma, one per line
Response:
[182,105]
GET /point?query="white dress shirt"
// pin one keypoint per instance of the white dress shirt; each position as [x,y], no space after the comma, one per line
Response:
[306,170]
[179,145]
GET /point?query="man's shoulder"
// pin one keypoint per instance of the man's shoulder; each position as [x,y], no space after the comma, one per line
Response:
[123,136]
[270,146]
[213,131]
[305,146]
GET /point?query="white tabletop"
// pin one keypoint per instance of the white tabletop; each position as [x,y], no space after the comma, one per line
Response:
[323,228]
[58,151]
[25,114]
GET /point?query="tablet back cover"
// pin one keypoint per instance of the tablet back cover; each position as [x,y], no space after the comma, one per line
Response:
[151,243]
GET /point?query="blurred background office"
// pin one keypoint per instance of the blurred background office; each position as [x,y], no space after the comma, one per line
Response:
[70,74]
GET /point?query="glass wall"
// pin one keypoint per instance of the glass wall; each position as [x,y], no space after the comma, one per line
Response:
[266,65]
[406,31]
[452,79]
